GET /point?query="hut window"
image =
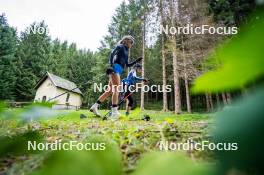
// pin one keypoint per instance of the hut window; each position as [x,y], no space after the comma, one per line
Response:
[44,98]
[68,97]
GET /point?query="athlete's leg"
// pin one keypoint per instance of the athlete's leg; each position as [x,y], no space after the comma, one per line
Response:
[101,99]
[106,93]
[115,80]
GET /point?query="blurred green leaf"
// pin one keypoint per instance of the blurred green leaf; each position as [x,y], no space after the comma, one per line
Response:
[171,163]
[18,144]
[75,162]
[2,106]
[242,60]
[42,104]
[34,111]
[242,124]
[38,112]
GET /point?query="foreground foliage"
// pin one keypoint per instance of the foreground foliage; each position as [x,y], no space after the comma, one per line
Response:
[127,140]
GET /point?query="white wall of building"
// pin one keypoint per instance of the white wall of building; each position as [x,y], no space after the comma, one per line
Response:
[45,89]
[48,89]
[74,99]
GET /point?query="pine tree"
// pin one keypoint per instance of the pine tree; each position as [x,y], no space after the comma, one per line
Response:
[34,53]
[60,58]
[8,68]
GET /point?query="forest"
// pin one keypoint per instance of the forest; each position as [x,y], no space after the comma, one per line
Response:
[25,57]
[216,80]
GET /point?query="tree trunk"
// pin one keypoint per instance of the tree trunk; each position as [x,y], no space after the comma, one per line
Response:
[143,63]
[177,98]
[224,98]
[211,102]
[207,102]
[228,98]
[188,101]
[172,100]
[164,80]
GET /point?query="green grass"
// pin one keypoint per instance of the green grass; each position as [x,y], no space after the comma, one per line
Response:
[132,135]
[137,114]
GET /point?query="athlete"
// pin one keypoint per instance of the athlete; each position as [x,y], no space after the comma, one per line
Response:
[118,61]
[131,79]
